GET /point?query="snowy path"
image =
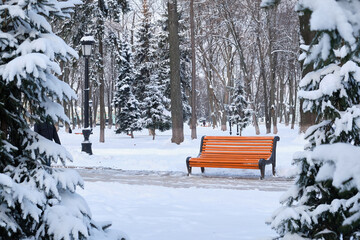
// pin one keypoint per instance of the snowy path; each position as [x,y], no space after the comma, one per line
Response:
[162,205]
[181,180]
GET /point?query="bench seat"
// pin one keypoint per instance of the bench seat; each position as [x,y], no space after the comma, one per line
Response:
[235,152]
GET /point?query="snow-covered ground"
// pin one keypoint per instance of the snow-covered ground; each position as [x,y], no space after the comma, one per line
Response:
[146,211]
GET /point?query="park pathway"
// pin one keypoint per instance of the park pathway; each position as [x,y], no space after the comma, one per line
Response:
[181,180]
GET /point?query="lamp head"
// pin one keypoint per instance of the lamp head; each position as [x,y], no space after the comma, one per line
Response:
[86,45]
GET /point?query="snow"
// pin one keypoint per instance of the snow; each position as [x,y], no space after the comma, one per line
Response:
[341,163]
[159,213]
[5,180]
[67,217]
[268,3]
[87,39]
[40,21]
[150,212]
[49,148]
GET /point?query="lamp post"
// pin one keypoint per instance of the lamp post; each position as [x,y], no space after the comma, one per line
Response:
[86,44]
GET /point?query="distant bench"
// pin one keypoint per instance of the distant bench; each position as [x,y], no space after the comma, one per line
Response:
[235,152]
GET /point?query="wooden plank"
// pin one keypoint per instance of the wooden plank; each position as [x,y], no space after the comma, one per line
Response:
[237,149]
[237,142]
[213,165]
[240,137]
[236,153]
[234,160]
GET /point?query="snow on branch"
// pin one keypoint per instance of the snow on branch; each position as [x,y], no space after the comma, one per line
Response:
[49,148]
[330,15]
[32,63]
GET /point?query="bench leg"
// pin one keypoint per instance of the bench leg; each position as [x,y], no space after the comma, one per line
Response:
[188,165]
[202,169]
[273,169]
[262,168]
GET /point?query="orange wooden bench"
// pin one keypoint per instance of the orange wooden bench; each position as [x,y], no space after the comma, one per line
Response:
[235,152]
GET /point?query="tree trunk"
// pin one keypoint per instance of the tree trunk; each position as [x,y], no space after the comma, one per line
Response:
[256,124]
[271,19]
[102,90]
[306,119]
[110,93]
[280,96]
[72,114]
[95,107]
[102,110]
[223,122]
[293,110]
[110,117]
[193,72]
[176,102]
[152,132]
[291,96]
[264,80]
[77,115]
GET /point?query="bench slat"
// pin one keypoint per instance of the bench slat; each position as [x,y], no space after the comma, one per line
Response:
[205,163]
[237,149]
[267,143]
[237,153]
[243,166]
[229,159]
[247,144]
[239,137]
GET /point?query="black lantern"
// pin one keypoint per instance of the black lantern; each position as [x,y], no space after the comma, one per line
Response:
[86,43]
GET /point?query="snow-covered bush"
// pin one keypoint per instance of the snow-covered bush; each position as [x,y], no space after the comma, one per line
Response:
[324,202]
[36,201]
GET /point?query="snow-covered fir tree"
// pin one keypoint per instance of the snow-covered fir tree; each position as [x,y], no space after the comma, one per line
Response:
[128,114]
[149,90]
[239,114]
[161,46]
[324,203]
[155,116]
[142,62]
[37,201]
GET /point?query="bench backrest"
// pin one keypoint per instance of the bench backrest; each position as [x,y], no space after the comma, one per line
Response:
[238,146]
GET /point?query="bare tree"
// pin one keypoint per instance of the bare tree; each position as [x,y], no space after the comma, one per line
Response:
[175,87]
[193,72]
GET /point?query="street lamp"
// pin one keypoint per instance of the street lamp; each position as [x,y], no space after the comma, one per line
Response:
[86,44]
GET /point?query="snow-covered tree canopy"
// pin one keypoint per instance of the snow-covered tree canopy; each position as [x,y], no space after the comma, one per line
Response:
[332,89]
[324,203]
[36,201]
[29,53]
